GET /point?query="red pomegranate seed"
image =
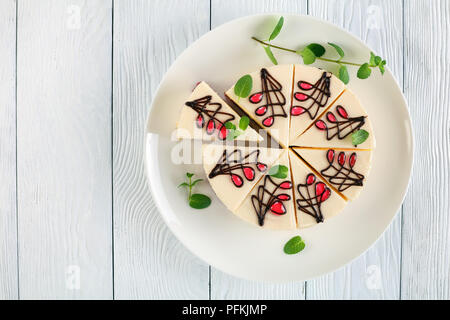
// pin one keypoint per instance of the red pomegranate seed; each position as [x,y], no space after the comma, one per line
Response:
[283,197]
[249,173]
[200,122]
[331,117]
[237,181]
[352,160]
[320,188]
[211,126]
[261,111]
[223,132]
[300,96]
[305,85]
[325,195]
[310,179]
[286,185]
[296,111]
[257,97]
[261,166]
[268,121]
[342,112]
[321,125]
[278,208]
[330,155]
[341,158]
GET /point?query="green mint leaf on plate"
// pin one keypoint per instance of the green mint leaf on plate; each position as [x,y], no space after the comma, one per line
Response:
[295,245]
[277,29]
[381,66]
[279,171]
[338,49]
[184,184]
[189,175]
[199,201]
[230,125]
[308,56]
[270,55]
[364,71]
[243,123]
[243,86]
[343,74]
[359,137]
[317,49]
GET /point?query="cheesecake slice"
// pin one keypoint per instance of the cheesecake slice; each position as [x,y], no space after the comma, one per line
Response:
[204,116]
[345,170]
[233,171]
[269,101]
[315,201]
[314,90]
[335,127]
[271,204]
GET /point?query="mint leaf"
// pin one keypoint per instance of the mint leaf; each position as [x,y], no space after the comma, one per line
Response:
[381,66]
[343,74]
[295,245]
[277,29]
[359,137]
[243,123]
[189,175]
[372,60]
[307,55]
[270,55]
[243,86]
[317,49]
[278,171]
[230,125]
[199,201]
[184,184]
[338,49]
[364,71]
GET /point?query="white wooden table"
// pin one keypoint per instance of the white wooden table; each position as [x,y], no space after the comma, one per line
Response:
[76,217]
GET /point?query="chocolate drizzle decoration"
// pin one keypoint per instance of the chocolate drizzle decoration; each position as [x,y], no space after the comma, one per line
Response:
[317,93]
[269,198]
[311,196]
[210,117]
[274,99]
[341,173]
[235,165]
[341,128]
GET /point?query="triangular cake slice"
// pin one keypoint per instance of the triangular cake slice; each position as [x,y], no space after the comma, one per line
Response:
[269,101]
[315,201]
[314,91]
[233,171]
[345,170]
[271,204]
[336,126]
[204,116]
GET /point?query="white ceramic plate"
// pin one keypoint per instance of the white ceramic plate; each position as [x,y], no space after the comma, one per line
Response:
[214,234]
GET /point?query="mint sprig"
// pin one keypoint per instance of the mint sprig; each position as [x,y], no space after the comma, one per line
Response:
[294,245]
[243,86]
[316,51]
[196,200]
[234,132]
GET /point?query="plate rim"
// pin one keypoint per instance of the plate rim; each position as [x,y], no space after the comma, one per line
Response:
[149,135]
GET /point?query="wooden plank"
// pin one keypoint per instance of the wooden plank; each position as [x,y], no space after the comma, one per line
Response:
[149,262]
[8,223]
[426,224]
[64,149]
[376,274]
[224,286]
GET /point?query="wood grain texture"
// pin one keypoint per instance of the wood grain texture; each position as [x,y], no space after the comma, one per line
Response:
[8,223]
[426,223]
[376,274]
[224,286]
[64,149]
[149,262]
